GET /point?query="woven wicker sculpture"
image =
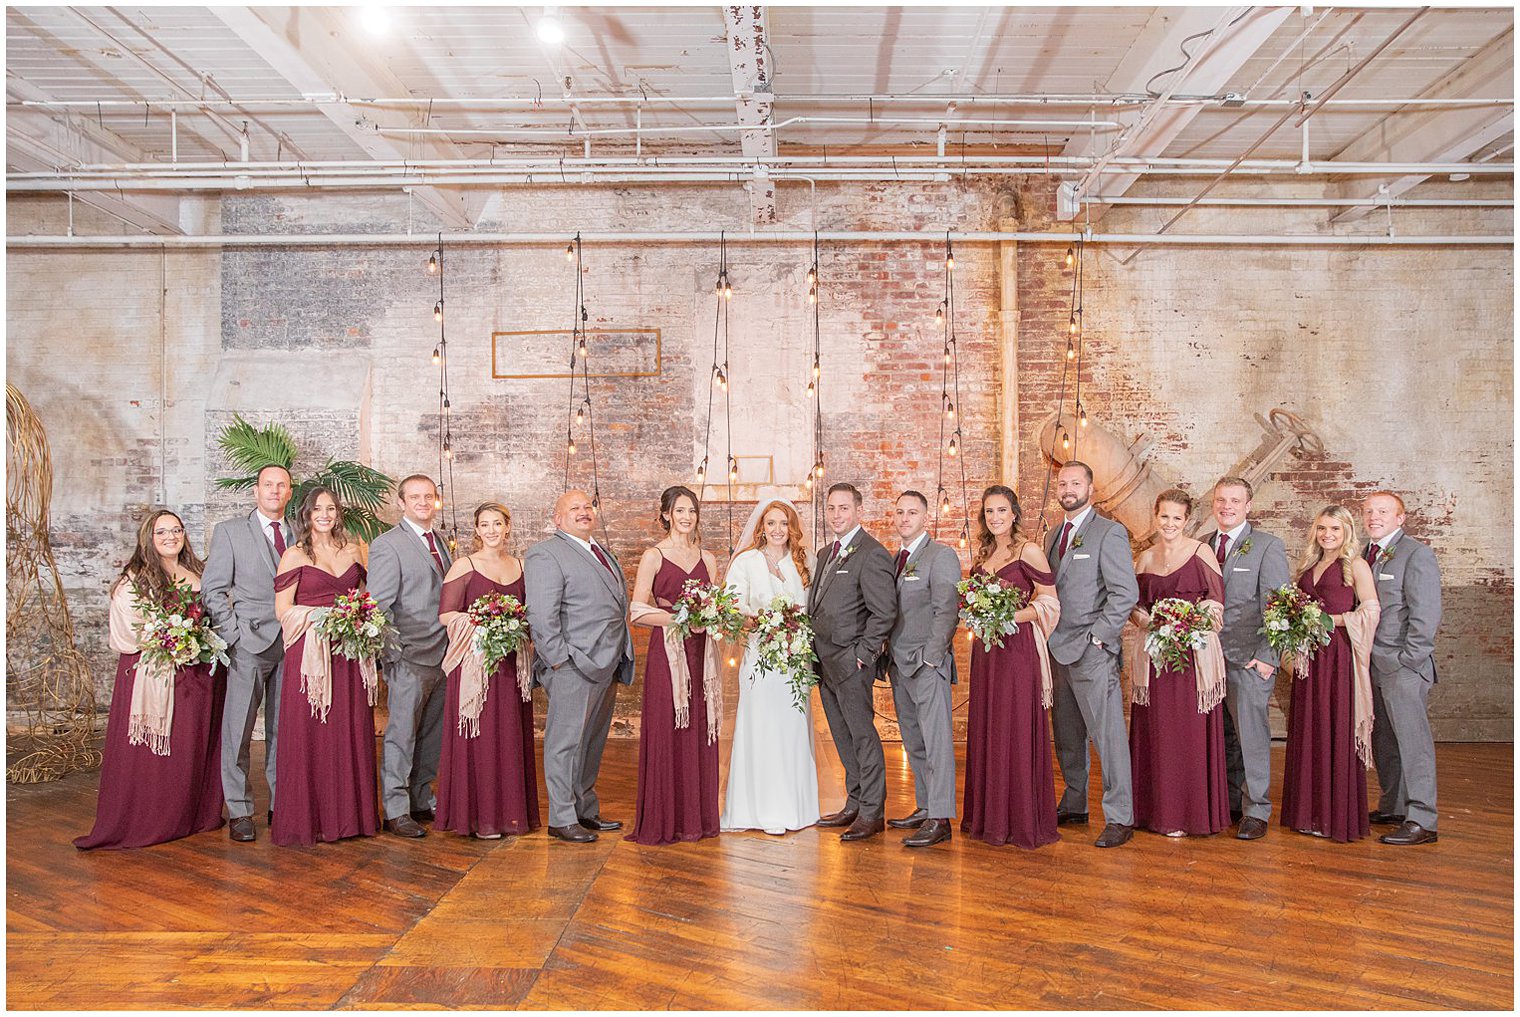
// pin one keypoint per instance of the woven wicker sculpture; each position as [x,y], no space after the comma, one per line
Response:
[46,677]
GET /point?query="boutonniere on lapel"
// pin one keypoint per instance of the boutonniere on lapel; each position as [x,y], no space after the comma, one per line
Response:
[1076,541]
[1383,558]
[911,571]
[1243,548]
[845,554]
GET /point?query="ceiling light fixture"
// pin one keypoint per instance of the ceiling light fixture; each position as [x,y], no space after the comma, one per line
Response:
[375,19]
[550,30]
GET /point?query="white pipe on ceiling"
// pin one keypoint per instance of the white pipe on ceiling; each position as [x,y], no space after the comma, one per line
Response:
[1118,199]
[601,132]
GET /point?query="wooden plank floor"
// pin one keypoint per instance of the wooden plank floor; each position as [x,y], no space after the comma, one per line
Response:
[750,921]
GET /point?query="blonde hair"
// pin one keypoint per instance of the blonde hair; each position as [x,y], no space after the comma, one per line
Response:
[1351,549]
[793,537]
[483,507]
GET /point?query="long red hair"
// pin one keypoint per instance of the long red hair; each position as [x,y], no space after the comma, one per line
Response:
[793,538]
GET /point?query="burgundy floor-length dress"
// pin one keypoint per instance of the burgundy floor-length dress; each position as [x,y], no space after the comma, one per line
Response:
[1177,757]
[678,769]
[149,799]
[325,770]
[1010,794]
[1324,782]
[487,784]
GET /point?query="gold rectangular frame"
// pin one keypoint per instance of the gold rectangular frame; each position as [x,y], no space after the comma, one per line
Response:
[495,374]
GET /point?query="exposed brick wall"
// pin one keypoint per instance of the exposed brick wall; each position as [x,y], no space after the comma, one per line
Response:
[1182,344]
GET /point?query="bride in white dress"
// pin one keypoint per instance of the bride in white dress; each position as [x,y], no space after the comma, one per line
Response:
[772,775]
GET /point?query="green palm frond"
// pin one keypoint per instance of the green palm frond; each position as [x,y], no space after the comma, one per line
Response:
[356,485]
[249,449]
[238,483]
[363,524]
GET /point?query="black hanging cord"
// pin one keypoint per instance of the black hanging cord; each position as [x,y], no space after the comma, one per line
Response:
[1073,253]
[445,419]
[815,389]
[576,410]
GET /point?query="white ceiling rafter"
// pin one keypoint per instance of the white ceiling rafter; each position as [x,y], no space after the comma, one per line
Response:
[1216,57]
[750,64]
[291,40]
[1445,136]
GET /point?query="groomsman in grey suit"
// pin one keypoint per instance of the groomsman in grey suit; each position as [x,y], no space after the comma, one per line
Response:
[578,613]
[1095,583]
[1254,564]
[853,604]
[238,590]
[1403,670]
[920,662]
[407,564]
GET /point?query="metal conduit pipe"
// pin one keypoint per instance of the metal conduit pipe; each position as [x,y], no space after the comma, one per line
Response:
[603,132]
[1118,199]
[930,237]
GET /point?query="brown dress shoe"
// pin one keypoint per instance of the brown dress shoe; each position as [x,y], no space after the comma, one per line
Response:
[574,834]
[598,823]
[1410,833]
[863,828]
[405,826]
[1377,818]
[844,817]
[1113,835]
[240,828]
[1251,828]
[911,822]
[934,831]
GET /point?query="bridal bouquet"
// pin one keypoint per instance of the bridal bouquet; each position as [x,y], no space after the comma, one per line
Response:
[704,606]
[501,627]
[353,626]
[1177,628]
[784,646]
[988,606]
[178,632]
[1294,624]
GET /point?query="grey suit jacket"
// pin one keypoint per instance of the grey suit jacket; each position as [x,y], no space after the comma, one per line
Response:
[1096,585]
[238,586]
[578,611]
[407,585]
[853,604]
[1409,593]
[927,608]
[1249,576]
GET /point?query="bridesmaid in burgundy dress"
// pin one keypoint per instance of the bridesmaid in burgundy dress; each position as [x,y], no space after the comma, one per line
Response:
[678,765]
[326,765]
[146,798]
[1177,757]
[1324,780]
[1010,794]
[487,776]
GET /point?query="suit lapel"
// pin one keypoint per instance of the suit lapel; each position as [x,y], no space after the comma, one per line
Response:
[913,560]
[262,542]
[614,583]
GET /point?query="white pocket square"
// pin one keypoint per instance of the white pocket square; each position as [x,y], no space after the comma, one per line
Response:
[842,572]
[1079,557]
[1239,569]
[1384,575]
[910,579]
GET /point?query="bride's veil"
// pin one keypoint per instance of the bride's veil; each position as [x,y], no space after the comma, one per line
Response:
[747,535]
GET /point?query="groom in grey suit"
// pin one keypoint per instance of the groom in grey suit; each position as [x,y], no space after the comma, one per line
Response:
[238,590]
[407,564]
[921,665]
[578,614]
[1254,564]
[1095,583]
[1403,670]
[853,603]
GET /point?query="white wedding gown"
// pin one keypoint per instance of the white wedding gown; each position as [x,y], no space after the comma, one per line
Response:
[772,774]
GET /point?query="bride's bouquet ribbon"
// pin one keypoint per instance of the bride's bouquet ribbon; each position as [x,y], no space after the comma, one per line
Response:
[316,659]
[680,673]
[1208,663]
[1047,612]
[474,679]
[1361,627]
[150,715]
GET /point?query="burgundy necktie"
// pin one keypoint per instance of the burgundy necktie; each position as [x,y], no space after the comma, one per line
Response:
[1224,542]
[1372,552]
[433,546]
[603,559]
[1065,534]
[902,559]
[835,554]
[279,538]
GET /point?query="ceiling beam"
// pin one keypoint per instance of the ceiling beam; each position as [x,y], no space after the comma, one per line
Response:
[37,140]
[320,56]
[749,63]
[1438,135]
[1215,59]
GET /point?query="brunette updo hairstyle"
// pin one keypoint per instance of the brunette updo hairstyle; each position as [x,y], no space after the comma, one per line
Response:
[1177,496]
[668,499]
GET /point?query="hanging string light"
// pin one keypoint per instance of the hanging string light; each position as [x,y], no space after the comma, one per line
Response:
[723,293]
[814,481]
[440,358]
[950,394]
[579,412]
[1073,360]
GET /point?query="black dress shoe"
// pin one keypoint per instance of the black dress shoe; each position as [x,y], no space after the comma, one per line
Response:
[1410,833]
[913,822]
[932,832]
[1377,818]
[271,817]
[240,828]
[1251,828]
[423,815]
[405,826]
[1064,818]
[573,834]
[844,817]
[598,823]
[863,828]
[1236,815]
[1113,835]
